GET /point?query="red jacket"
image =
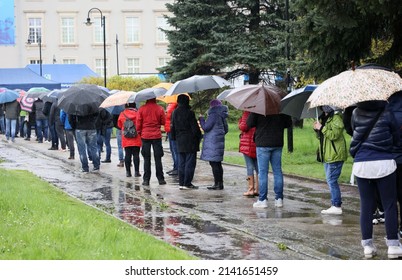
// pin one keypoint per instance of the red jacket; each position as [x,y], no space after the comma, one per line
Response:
[151,117]
[247,144]
[169,111]
[131,113]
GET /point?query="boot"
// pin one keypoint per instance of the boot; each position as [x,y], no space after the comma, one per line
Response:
[121,163]
[250,191]
[256,186]
[128,172]
[216,186]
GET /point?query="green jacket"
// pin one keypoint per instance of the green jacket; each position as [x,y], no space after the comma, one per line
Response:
[333,142]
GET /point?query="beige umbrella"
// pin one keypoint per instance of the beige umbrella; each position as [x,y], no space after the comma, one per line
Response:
[354,86]
[116,99]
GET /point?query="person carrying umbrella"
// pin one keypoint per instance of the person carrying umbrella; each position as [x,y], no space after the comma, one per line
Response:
[12,112]
[332,152]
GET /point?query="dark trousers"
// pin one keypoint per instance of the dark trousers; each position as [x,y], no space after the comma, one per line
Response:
[70,141]
[399,191]
[187,163]
[387,189]
[217,171]
[132,152]
[156,145]
[61,135]
[53,132]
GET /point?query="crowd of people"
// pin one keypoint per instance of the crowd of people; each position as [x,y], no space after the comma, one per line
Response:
[375,127]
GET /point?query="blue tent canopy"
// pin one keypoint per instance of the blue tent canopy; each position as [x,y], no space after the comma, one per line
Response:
[66,74]
[24,78]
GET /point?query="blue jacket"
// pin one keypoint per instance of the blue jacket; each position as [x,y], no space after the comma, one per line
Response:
[382,138]
[64,120]
[215,128]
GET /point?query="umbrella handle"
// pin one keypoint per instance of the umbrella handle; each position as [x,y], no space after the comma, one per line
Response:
[316,113]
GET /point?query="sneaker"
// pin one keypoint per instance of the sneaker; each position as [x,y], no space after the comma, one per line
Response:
[394,252]
[96,169]
[369,251]
[84,170]
[381,217]
[261,204]
[279,202]
[400,233]
[106,161]
[173,173]
[190,187]
[333,210]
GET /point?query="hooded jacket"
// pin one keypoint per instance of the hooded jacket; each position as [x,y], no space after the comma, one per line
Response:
[131,113]
[246,144]
[150,118]
[169,110]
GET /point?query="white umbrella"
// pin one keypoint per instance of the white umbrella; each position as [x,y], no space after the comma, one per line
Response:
[197,83]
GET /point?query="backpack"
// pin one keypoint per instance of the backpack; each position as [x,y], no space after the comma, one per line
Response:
[129,129]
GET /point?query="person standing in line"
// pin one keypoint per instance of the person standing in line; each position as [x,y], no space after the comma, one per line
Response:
[70,135]
[52,124]
[333,153]
[186,133]
[12,112]
[21,122]
[118,141]
[213,146]
[268,138]
[59,127]
[2,120]
[374,137]
[42,123]
[248,148]
[131,145]
[105,128]
[85,135]
[150,119]
[172,143]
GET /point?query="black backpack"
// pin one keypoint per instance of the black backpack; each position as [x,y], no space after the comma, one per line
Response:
[129,129]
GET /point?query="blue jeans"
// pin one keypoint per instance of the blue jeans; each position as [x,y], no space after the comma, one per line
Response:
[266,155]
[251,165]
[173,150]
[42,127]
[119,145]
[332,173]
[83,137]
[105,139]
[2,124]
[11,126]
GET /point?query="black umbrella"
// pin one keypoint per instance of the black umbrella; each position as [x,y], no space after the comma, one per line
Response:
[81,100]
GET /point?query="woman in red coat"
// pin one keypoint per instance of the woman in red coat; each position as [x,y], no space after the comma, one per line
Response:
[131,145]
[248,149]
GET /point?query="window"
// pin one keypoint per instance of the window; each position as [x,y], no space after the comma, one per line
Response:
[161,22]
[132,30]
[98,30]
[163,61]
[68,61]
[67,30]
[34,61]
[99,66]
[133,65]
[35,30]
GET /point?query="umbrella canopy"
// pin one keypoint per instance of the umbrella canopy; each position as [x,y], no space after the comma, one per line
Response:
[146,94]
[7,95]
[171,98]
[163,85]
[260,99]
[116,99]
[294,104]
[37,92]
[27,102]
[51,96]
[197,83]
[353,86]
[223,94]
[82,100]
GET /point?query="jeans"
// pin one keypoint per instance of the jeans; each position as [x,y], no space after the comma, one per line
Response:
[158,154]
[332,173]
[266,155]
[84,138]
[42,127]
[55,139]
[173,150]
[251,165]
[186,168]
[386,187]
[105,139]
[2,124]
[11,126]
[119,145]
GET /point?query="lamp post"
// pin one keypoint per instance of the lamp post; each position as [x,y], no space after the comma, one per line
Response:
[40,51]
[103,21]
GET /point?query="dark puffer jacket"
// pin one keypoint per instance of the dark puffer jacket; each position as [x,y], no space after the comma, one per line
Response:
[382,137]
[395,106]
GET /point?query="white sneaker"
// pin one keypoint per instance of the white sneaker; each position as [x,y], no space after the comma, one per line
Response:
[279,202]
[261,204]
[332,211]
[394,252]
[369,251]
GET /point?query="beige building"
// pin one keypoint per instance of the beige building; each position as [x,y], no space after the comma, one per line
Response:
[56,31]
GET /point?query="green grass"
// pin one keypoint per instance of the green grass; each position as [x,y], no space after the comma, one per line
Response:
[302,161]
[39,221]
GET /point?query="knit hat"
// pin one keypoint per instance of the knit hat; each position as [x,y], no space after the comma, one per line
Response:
[215,102]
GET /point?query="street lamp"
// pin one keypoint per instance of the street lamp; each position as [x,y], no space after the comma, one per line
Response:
[103,21]
[29,41]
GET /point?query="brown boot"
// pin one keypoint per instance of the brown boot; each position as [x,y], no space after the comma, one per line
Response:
[250,191]
[256,186]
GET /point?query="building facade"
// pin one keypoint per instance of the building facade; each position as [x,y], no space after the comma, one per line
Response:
[56,31]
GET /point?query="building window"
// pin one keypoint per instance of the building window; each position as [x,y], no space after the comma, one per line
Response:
[99,66]
[98,31]
[35,30]
[68,61]
[34,61]
[161,23]
[132,30]
[133,65]
[67,30]
[163,61]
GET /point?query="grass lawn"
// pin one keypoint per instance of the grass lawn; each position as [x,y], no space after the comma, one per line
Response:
[302,161]
[40,222]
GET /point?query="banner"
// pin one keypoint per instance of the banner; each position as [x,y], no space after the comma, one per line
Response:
[7,28]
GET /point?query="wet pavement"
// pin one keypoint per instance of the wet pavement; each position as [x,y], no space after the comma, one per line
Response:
[216,225]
